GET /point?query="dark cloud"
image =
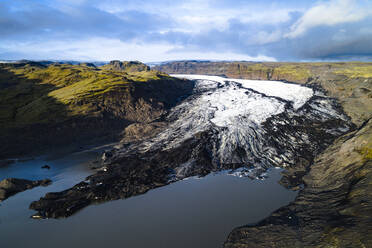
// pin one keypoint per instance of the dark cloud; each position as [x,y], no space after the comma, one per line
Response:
[353,44]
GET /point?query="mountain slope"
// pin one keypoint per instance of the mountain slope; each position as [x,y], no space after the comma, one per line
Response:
[60,104]
[333,210]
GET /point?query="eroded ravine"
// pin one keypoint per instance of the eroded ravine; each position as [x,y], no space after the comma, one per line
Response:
[225,124]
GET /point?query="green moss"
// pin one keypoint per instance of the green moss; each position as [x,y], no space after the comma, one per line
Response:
[257,67]
[294,72]
[366,152]
[32,94]
[356,71]
[288,71]
[330,237]
[126,66]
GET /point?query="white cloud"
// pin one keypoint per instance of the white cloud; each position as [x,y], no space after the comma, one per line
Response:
[193,16]
[215,56]
[328,14]
[104,49]
[101,49]
[264,37]
[155,30]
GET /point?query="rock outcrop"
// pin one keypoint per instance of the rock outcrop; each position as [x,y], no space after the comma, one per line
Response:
[12,186]
[333,210]
[126,66]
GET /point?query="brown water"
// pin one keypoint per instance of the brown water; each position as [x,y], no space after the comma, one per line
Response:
[190,213]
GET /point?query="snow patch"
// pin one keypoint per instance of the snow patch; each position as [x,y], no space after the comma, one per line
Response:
[297,94]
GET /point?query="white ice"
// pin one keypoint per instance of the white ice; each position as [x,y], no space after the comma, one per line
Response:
[297,94]
[233,111]
[224,103]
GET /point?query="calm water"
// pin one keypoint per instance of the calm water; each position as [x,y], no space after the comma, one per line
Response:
[190,213]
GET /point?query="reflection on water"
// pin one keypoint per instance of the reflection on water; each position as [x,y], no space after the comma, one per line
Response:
[189,213]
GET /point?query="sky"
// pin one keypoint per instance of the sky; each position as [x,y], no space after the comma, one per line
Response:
[162,30]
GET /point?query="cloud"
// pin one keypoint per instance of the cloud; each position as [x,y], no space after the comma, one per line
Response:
[328,14]
[351,42]
[43,21]
[264,37]
[103,49]
[186,29]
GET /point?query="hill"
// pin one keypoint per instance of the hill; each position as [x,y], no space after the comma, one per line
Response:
[43,106]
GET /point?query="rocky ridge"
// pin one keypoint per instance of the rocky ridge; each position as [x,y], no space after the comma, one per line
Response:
[126,66]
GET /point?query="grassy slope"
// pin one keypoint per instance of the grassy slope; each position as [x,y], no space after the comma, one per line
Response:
[35,94]
[126,66]
[61,100]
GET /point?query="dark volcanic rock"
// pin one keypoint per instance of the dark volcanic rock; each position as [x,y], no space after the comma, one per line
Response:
[12,186]
[88,64]
[333,210]
[45,167]
[128,176]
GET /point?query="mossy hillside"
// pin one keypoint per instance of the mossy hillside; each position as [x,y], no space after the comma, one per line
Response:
[298,72]
[366,150]
[37,94]
[292,72]
[356,71]
[126,66]
[48,107]
[251,70]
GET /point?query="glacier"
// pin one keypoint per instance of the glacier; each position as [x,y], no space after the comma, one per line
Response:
[242,126]
[248,123]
